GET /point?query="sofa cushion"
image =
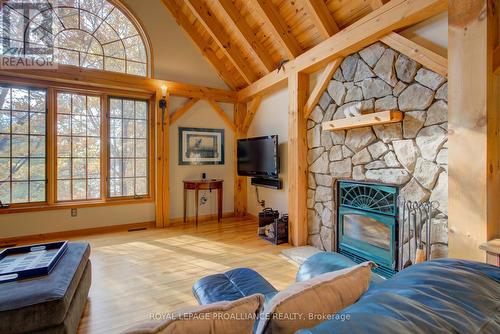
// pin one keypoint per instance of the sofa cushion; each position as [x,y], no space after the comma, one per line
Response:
[224,317]
[232,285]
[325,262]
[308,303]
[438,296]
[32,304]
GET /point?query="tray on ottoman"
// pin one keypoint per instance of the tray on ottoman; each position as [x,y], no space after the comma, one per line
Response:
[28,261]
[48,304]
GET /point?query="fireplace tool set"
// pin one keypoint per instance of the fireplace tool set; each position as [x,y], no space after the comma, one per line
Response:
[414,216]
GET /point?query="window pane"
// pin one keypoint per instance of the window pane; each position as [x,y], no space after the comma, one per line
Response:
[20,192]
[64,103]
[37,146]
[37,169]
[37,101]
[37,191]
[20,169]
[37,123]
[20,122]
[22,144]
[79,147]
[4,121]
[20,98]
[93,147]
[94,188]
[5,192]
[63,146]
[63,190]
[63,124]
[128,164]
[63,168]
[4,169]
[79,189]
[4,146]
[115,187]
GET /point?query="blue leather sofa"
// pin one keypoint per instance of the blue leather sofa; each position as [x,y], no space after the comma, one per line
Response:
[439,296]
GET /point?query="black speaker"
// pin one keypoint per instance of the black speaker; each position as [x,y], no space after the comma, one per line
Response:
[267,183]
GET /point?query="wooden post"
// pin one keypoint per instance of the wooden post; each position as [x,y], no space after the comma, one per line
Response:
[240,182]
[474,176]
[162,211]
[298,85]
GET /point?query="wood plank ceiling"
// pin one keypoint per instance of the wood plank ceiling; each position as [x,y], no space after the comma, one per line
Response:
[246,39]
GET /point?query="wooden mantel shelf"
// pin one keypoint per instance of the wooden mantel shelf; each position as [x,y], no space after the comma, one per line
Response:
[376,118]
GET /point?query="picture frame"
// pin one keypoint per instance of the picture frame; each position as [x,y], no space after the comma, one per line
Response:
[201,146]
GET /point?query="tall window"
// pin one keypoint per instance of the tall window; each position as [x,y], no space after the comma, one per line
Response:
[78,147]
[22,145]
[128,147]
[85,33]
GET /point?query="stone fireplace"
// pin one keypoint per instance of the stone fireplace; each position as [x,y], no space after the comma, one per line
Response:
[412,154]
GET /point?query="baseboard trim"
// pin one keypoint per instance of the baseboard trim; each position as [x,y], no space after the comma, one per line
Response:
[12,241]
[201,219]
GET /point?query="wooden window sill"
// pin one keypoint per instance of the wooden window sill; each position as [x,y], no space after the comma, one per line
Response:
[74,204]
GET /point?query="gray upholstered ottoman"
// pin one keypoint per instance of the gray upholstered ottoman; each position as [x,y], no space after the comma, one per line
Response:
[48,304]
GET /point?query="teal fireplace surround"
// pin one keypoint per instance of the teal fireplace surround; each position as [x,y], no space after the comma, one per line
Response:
[377,202]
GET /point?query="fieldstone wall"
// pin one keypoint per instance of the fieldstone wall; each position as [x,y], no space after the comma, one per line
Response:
[412,153]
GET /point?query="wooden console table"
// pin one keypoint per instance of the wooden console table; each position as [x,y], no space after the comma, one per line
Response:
[198,185]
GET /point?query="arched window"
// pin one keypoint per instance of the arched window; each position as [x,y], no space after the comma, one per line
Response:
[87,33]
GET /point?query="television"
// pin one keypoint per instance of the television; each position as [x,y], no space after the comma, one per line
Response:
[258,157]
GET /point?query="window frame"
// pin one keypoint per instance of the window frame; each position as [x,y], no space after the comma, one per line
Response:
[101,137]
[52,89]
[29,87]
[149,141]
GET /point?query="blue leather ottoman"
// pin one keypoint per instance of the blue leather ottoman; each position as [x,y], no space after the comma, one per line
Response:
[52,303]
[232,285]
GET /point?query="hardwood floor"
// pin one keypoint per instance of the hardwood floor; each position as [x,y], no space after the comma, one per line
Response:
[137,273]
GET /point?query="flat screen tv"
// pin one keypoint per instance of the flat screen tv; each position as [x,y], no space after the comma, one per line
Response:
[258,157]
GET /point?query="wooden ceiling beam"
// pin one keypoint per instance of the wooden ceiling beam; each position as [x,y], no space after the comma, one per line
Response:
[280,28]
[496,60]
[88,78]
[394,15]
[252,110]
[217,108]
[318,11]
[202,44]
[376,4]
[219,34]
[182,110]
[426,57]
[321,85]
[250,38]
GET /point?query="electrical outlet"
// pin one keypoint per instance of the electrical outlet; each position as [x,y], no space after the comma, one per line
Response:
[74,212]
[203,199]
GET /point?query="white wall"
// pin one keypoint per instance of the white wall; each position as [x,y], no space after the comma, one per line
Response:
[431,33]
[201,115]
[31,223]
[272,118]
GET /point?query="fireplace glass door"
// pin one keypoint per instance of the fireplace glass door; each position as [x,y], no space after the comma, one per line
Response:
[367,233]
[367,229]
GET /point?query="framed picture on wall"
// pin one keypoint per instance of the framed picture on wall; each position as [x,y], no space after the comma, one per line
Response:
[199,146]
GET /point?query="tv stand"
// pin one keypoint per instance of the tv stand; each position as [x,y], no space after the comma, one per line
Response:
[267,182]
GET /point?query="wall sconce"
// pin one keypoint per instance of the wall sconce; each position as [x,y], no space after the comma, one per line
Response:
[163,103]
